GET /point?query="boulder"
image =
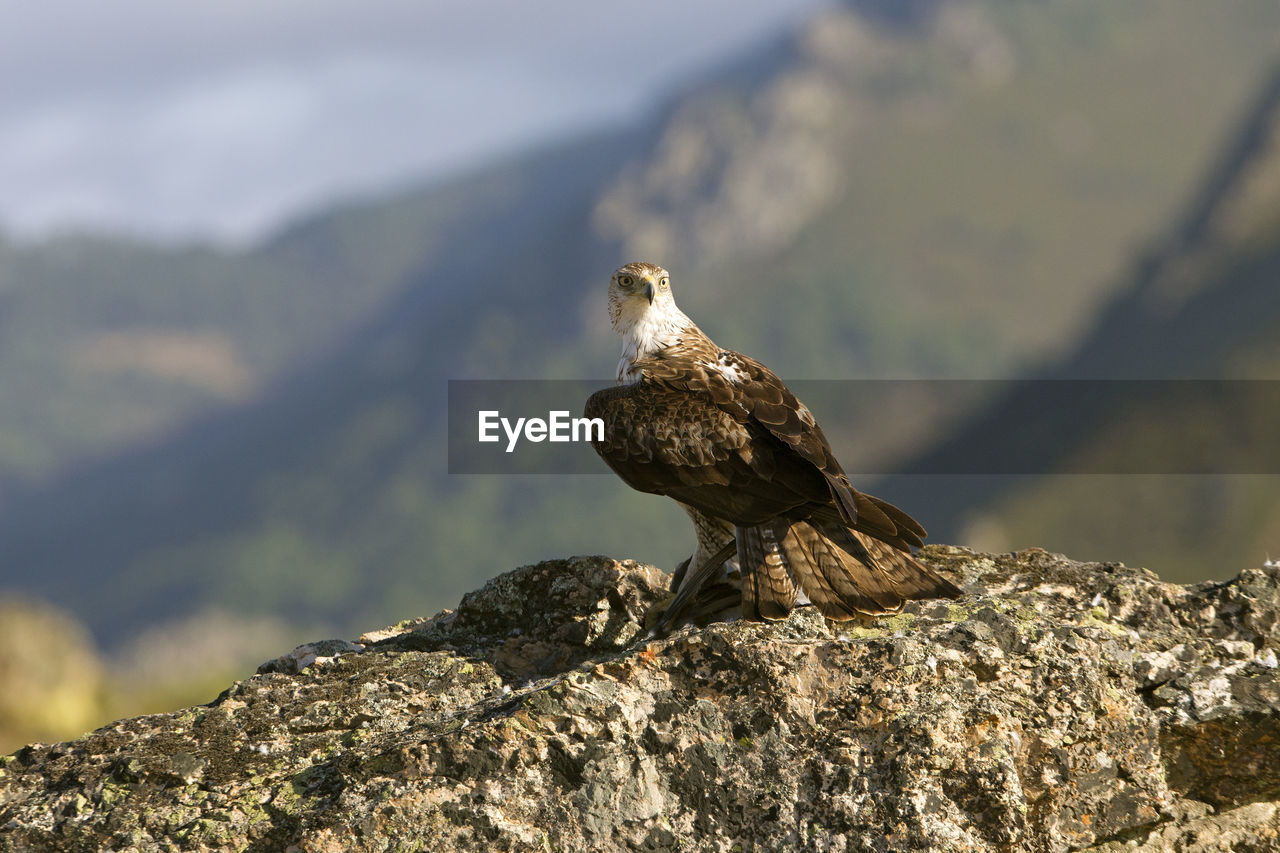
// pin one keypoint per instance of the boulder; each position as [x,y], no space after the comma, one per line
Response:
[1058,706]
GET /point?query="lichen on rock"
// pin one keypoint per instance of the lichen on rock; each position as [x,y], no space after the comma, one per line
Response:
[1057,706]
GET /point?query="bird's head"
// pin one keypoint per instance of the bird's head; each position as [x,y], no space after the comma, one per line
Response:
[639,294]
[644,312]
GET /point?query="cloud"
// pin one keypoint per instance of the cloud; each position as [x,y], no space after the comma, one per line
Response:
[221,117]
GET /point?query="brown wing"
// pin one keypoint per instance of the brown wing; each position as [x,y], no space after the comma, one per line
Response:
[668,441]
[751,393]
[746,452]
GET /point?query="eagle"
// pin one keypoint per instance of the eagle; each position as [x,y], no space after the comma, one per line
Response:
[722,435]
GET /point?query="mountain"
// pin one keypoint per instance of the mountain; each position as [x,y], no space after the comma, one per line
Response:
[949,196]
[107,344]
[1200,306]
[214,511]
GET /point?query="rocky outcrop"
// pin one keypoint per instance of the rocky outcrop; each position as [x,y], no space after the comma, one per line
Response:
[1057,706]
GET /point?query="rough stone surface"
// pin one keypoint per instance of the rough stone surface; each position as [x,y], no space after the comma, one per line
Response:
[1057,706]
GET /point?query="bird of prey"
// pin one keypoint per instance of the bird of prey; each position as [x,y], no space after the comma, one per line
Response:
[722,435]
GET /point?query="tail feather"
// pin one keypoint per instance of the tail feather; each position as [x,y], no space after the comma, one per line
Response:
[842,571]
[768,590]
[817,565]
[878,519]
[909,530]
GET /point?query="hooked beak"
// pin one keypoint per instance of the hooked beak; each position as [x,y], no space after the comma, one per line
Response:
[649,292]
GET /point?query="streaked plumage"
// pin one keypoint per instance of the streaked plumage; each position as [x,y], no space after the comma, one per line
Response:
[720,433]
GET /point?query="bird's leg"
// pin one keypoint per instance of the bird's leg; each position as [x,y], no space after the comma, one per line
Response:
[677,577]
[689,586]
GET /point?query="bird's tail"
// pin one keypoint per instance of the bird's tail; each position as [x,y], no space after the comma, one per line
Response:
[843,572]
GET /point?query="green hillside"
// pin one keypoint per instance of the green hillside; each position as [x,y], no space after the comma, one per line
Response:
[999,173]
[106,344]
[1205,306]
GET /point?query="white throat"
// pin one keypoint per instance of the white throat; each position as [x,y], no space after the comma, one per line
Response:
[646,333]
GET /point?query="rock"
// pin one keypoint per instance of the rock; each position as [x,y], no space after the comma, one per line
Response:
[309,654]
[1057,706]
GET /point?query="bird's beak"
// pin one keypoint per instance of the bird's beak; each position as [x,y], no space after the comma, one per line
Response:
[649,292]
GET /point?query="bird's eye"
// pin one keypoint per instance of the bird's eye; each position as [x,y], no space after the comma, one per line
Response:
[626,280]
[663,282]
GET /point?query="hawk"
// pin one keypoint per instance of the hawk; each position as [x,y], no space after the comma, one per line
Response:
[722,435]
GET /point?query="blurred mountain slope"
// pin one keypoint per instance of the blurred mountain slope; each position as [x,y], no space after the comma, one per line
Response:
[867,202]
[970,188]
[1202,304]
[267,505]
[106,343]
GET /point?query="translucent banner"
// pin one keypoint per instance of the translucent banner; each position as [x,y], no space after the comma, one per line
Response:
[964,427]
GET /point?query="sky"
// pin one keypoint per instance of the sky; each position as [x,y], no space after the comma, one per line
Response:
[220,119]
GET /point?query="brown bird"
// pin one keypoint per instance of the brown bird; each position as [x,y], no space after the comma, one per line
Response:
[722,435]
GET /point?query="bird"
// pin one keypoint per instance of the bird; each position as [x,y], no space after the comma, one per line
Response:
[722,435]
